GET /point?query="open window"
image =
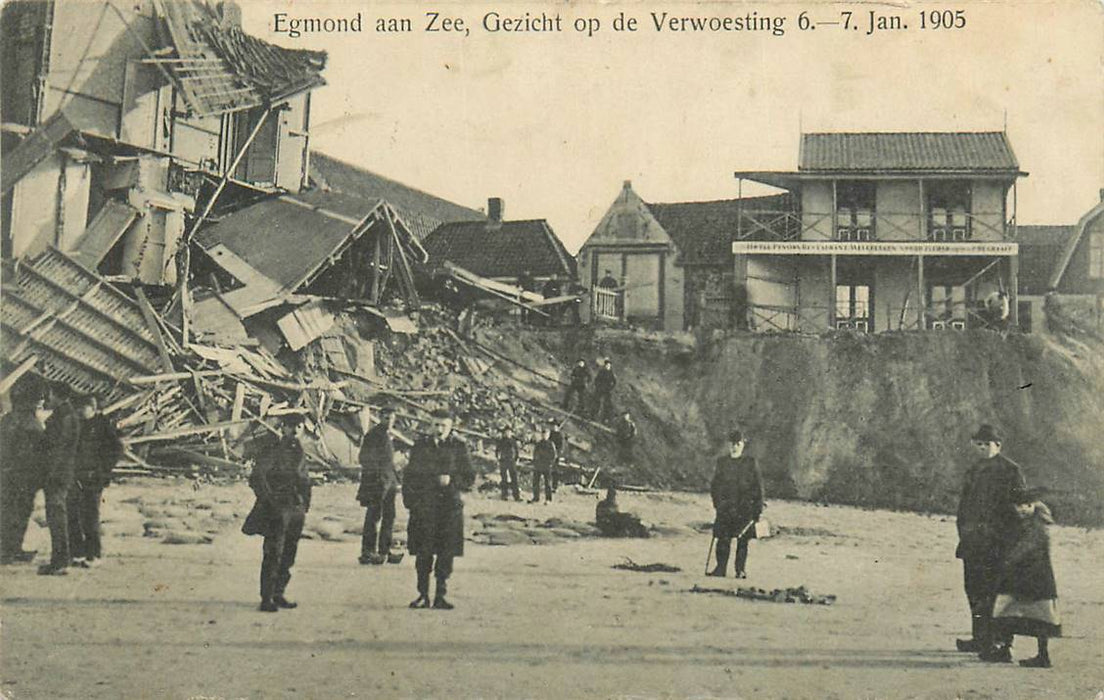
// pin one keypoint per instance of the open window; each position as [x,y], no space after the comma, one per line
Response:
[949,210]
[855,210]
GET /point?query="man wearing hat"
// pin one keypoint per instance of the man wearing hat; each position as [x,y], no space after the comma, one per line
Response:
[577,388]
[379,484]
[559,441]
[439,469]
[737,492]
[986,519]
[283,488]
[545,457]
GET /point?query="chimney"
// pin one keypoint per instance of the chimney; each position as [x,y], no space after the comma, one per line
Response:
[494,209]
[627,185]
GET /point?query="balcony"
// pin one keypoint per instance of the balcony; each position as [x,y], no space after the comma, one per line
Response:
[936,224]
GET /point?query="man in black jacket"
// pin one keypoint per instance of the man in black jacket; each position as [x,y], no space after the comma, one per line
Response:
[379,484]
[624,433]
[604,382]
[282,485]
[545,458]
[21,451]
[986,517]
[98,450]
[737,492]
[60,440]
[439,469]
[577,387]
[559,441]
[506,451]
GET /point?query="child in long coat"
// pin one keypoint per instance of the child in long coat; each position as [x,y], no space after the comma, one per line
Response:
[1027,597]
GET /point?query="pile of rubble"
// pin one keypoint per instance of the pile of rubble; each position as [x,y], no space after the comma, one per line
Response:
[778,595]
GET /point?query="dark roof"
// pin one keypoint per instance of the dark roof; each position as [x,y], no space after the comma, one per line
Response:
[283,240]
[1075,240]
[219,68]
[504,250]
[1040,250]
[421,211]
[954,151]
[703,231]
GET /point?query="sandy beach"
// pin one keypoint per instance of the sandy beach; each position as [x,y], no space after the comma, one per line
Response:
[549,619]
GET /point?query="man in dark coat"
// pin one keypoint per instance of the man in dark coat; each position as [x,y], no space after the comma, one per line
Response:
[604,382]
[506,451]
[379,484]
[98,450]
[737,491]
[559,441]
[439,469]
[986,519]
[577,387]
[282,485]
[527,284]
[21,451]
[545,458]
[624,433]
[552,289]
[60,439]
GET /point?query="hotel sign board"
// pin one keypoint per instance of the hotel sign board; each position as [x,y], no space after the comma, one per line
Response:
[925,248]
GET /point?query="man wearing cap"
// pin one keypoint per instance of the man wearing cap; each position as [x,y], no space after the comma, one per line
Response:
[559,441]
[439,469]
[604,382]
[737,492]
[506,450]
[98,450]
[379,484]
[986,517]
[283,488]
[60,439]
[21,450]
[577,388]
[545,457]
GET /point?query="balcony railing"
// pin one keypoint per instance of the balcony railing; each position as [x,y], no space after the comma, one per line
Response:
[608,304]
[816,319]
[936,224]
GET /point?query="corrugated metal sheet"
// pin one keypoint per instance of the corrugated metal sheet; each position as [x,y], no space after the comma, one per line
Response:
[84,331]
[907,151]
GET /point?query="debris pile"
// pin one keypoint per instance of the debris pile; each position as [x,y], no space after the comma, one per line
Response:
[658,567]
[778,595]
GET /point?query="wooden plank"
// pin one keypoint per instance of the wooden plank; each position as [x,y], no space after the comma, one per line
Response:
[184,432]
[154,329]
[25,366]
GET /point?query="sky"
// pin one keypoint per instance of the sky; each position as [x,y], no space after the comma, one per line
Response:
[554,123]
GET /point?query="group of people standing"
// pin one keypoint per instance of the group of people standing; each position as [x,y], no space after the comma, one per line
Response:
[56,441]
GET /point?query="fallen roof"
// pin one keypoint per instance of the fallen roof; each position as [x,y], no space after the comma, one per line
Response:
[219,68]
[703,231]
[39,145]
[1040,251]
[504,249]
[283,238]
[422,212]
[83,331]
[944,151]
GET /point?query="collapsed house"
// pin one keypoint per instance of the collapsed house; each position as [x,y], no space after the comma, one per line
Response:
[167,249]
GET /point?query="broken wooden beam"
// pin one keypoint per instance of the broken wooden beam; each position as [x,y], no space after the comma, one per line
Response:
[183,432]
